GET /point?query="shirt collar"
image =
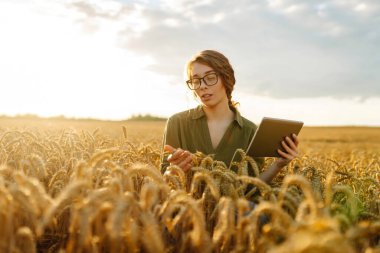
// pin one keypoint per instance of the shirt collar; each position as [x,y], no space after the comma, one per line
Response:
[199,113]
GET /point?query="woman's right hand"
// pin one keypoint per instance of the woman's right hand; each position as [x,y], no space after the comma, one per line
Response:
[181,158]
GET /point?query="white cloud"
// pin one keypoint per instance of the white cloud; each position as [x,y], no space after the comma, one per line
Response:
[181,6]
[284,48]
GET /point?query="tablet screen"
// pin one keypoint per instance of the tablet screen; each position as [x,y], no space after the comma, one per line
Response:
[269,134]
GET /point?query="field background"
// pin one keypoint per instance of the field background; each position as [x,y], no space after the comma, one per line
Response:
[68,182]
[319,139]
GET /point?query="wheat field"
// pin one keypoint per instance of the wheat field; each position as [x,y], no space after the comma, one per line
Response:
[94,186]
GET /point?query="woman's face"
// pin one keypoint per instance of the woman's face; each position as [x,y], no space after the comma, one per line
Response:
[210,96]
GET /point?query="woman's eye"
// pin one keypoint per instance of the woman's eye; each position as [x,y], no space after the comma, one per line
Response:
[210,78]
[195,82]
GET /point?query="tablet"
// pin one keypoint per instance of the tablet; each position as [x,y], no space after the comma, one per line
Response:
[269,134]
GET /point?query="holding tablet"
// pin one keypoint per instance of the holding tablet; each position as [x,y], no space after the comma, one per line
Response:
[269,134]
[216,127]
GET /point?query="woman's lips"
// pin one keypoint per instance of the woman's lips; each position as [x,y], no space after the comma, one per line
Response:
[206,96]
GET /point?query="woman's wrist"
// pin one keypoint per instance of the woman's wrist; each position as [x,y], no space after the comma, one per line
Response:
[280,163]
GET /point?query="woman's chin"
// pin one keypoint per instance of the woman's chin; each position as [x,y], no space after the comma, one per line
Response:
[208,104]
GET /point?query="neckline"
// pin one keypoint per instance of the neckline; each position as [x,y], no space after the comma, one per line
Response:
[221,141]
[198,113]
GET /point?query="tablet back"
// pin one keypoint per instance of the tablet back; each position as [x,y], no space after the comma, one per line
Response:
[269,134]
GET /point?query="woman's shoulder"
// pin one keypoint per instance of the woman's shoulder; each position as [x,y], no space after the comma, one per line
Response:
[243,122]
[248,123]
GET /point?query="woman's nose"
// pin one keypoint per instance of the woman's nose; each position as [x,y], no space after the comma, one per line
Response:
[202,84]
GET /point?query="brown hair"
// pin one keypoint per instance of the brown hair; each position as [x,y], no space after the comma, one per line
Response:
[221,65]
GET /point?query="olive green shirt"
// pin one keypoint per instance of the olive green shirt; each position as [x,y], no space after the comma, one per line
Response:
[189,130]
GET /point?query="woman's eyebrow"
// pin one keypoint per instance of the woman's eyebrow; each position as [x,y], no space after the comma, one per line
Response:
[205,73]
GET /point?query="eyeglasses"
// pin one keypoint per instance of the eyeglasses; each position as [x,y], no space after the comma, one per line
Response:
[209,79]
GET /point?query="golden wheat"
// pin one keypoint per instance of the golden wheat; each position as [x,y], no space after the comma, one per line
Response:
[101,190]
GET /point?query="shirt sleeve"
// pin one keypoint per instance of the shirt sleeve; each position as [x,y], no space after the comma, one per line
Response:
[171,137]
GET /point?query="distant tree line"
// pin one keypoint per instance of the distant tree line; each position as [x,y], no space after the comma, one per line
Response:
[135,117]
[146,117]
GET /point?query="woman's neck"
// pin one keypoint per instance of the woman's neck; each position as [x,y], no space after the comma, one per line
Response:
[220,112]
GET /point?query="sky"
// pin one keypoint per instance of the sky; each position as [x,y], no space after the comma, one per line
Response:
[314,61]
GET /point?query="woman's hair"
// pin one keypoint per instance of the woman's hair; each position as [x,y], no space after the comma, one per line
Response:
[221,65]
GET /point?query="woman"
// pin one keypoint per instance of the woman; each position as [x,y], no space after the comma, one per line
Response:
[215,126]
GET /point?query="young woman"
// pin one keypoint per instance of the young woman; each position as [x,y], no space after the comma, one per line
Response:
[215,126]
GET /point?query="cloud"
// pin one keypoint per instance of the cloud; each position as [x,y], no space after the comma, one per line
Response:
[284,49]
[95,15]
[101,9]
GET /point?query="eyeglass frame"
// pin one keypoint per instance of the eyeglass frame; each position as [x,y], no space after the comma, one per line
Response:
[188,82]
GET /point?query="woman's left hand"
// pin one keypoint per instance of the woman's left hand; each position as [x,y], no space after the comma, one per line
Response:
[290,146]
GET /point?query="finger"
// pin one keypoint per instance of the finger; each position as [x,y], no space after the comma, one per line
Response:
[290,142]
[295,139]
[189,162]
[288,149]
[169,148]
[291,148]
[186,167]
[180,156]
[186,154]
[185,162]
[285,155]
[176,155]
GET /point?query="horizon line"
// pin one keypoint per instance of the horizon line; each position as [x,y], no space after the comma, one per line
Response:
[135,117]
